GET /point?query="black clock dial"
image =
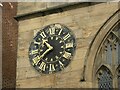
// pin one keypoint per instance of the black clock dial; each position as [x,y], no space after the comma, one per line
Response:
[58,49]
[52,48]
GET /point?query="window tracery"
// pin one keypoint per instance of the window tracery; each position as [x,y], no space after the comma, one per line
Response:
[109,55]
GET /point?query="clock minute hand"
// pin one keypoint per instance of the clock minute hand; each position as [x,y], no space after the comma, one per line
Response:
[46,51]
[41,56]
[49,49]
[47,44]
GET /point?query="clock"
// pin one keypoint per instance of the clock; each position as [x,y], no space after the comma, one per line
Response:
[52,49]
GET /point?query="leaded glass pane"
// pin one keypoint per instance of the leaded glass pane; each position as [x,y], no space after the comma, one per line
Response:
[105,80]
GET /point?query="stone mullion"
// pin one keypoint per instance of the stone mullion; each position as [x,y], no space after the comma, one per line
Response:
[103,54]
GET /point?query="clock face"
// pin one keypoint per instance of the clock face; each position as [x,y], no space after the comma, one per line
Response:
[52,48]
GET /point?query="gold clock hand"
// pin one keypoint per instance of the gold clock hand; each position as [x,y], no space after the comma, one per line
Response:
[46,51]
[49,47]
[44,40]
[39,58]
[47,44]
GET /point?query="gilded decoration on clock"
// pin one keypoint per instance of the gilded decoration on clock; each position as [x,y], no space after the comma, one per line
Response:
[52,48]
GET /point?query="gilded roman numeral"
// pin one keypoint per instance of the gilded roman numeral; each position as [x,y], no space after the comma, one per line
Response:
[36,42]
[42,66]
[36,59]
[67,55]
[34,51]
[52,30]
[51,68]
[61,65]
[43,34]
[60,32]
[69,45]
[66,36]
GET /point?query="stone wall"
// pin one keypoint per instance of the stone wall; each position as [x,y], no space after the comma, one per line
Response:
[84,20]
[29,7]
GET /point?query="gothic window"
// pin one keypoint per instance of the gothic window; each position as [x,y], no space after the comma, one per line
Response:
[104,79]
[103,56]
[109,55]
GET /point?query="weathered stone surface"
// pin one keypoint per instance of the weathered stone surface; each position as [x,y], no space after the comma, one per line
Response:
[26,72]
[29,7]
[38,82]
[84,21]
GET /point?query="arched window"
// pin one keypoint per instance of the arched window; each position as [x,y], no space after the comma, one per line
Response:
[104,51]
[104,77]
[108,55]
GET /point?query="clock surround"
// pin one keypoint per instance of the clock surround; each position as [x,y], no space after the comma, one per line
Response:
[52,48]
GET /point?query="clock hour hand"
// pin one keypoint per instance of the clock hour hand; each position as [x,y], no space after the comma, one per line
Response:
[41,56]
[36,61]
[47,44]
[49,49]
